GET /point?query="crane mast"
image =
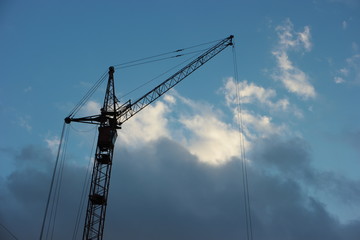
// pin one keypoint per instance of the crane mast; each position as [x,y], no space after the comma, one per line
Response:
[112,116]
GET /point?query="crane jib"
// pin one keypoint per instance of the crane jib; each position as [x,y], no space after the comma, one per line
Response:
[169,83]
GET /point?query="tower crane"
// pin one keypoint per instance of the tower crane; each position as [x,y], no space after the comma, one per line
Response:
[112,116]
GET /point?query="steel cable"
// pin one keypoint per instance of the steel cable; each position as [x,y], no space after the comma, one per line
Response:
[158,76]
[9,232]
[83,192]
[122,65]
[52,181]
[247,206]
[59,182]
[86,97]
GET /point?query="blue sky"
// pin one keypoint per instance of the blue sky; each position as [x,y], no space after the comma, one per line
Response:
[176,173]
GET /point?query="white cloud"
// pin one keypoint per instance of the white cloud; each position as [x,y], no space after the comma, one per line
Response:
[351,72]
[344,25]
[260,126]
[289,38]
[344,71]
[170,99]
[292,77]
[295,80]
[212,140]
[201,130]
[199,127]
[92,108]
[251,93]
[148,125]
[53,144]
[27,89]
[304,37]
[256,125]
[208,137]
[354,61]
[339,80]
[215,141]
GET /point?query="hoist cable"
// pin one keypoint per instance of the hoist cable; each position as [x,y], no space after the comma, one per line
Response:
[86,97]
[121,65]
[247,206]
[150,61]
[9,232]
[52,181]
[158,76]
[88,94]
[202,44]
[83,192]
[161,59]
[59,183]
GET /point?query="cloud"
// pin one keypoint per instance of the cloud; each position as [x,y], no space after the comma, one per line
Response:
[252,93]
[24,122]
[24,192]
[27,89]
[198,127]
[168,187]
[344,25]
[292,77]
[353,64]
[53,144]
[350,73]
[288,156]
[257,125]
[148,125]
[339,80]
[291,159]
[211,140]
[304,38]
[162,191]
[290,39]
[169,98]
[90,108]
[344,71]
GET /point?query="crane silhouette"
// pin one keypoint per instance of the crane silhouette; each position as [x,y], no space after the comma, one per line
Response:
[112,116]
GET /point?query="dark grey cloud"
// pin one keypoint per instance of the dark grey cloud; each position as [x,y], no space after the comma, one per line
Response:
[291,159]
[163,192]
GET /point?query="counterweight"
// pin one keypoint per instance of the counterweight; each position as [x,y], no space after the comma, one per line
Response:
[112,116]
